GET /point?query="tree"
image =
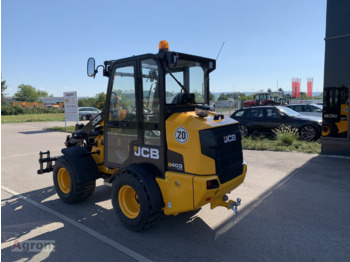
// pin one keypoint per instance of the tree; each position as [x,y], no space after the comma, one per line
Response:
[87,102]
[26,93]
[269,90]
[42,93]
[3,88]
[222,97]
[303,96]
[100,100]
[243,97]
[212,97]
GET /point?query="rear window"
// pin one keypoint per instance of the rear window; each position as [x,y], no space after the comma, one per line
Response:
[256,113]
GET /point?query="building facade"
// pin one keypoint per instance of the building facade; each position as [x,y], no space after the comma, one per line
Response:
[336,134]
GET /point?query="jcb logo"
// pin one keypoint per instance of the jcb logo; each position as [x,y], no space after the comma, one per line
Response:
[146,152]
[96,120]
[230,138]
[330,115]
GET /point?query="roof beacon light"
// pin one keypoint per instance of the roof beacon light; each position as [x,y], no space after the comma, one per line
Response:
[163,45]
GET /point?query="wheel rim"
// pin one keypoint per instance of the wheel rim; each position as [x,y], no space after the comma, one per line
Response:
[308,132]
[129,201]
[83,117]
[325,130]
[244,130]
[63,180]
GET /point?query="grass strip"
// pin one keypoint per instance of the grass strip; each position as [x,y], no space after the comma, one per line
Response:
[69,129]
[32,118]
[267,143]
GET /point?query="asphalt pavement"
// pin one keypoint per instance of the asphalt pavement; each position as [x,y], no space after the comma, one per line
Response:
[294,208]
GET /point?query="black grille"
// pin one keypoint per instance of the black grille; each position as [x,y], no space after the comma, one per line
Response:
[223,144]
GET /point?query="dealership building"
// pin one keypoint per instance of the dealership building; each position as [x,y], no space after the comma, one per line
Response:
[337,79]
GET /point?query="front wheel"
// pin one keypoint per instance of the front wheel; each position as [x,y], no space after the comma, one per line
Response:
[66,185]
[131,201]
[308,133]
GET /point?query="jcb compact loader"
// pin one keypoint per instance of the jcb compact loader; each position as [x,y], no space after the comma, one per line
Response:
[156,142]
[335,111]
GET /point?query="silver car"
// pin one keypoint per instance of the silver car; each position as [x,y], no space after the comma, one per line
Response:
[86,113]
[307,109]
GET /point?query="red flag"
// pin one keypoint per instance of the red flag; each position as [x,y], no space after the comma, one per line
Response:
[309,87]
[294,86]
[297,94]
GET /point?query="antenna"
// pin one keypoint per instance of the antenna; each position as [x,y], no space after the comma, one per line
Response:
[220,50]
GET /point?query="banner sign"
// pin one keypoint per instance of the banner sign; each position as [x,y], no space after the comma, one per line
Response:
[71,106]
[296,87]
[309,86]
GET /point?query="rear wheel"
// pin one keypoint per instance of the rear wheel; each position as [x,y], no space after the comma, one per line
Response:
[84,117]
[308,133]
[66,185]
[328,129]
[131,202]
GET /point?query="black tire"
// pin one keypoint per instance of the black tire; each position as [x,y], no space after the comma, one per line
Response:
[270,103]
[66,185]
[244,130]
[308,133]
[84,117]
[131,202]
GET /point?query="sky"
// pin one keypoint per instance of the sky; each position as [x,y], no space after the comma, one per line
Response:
[46,44]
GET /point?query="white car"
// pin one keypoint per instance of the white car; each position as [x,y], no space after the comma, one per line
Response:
[86,113]
[307,109]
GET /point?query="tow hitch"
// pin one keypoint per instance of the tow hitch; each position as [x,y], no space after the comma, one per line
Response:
[229,204]
[234,205]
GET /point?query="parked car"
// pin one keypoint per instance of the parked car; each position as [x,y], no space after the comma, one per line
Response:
[307,109]
[263,119]
[86,113]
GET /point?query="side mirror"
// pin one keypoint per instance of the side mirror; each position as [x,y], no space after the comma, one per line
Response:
[91,71]
[319,110]
[283,116]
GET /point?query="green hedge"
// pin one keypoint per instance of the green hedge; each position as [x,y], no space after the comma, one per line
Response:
[7,110]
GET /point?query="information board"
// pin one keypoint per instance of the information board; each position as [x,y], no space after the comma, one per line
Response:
[71,106]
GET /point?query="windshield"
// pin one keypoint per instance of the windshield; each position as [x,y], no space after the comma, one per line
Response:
[288,111]
[188,79]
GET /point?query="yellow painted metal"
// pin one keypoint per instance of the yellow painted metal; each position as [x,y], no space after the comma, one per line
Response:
[99,158]
[63,180]
[177,192]
[185,192]
[194,161]
[217,199]
[343,124]
[203,196]
[129,202]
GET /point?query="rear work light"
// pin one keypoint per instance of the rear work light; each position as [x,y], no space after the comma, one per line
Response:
[211,184]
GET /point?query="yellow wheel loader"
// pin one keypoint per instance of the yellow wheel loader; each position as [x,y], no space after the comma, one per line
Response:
[335,111]
[156,142]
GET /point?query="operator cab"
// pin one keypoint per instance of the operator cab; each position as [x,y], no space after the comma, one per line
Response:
[143,91]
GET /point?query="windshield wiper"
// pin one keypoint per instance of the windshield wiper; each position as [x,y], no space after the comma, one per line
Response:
[178,82]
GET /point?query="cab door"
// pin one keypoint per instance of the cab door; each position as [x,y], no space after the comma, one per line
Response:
[134,128]
[121,119]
